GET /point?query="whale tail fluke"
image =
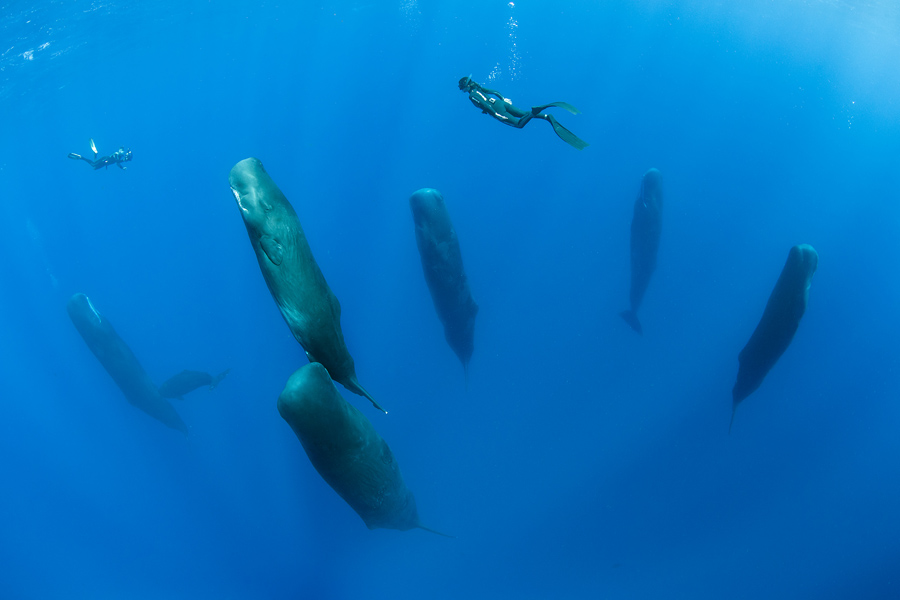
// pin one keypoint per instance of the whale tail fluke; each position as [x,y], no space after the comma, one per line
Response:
[430,530]
[631,318]
[218,378]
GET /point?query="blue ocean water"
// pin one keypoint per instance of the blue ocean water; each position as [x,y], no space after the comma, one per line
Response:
[583,460]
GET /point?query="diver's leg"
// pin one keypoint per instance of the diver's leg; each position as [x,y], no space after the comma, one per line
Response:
[563,105]
[75,156]
[516,111]
[522,121]
[510,115]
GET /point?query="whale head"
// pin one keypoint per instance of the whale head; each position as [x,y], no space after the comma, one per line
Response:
[249,182]
[801,265]
[651,187]
[430,214]
[425,203]
[805,259]
[82,310]
[268,216]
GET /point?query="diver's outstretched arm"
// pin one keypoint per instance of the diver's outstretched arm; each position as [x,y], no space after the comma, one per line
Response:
[494,93]
[121,166]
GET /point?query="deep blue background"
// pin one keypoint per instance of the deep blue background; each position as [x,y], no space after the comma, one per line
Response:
[584,461]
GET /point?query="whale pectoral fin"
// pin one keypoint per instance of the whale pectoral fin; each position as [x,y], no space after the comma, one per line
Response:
[273,249]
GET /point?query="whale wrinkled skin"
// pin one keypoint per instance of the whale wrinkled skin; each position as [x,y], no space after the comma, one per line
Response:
[347,452]
[310,309]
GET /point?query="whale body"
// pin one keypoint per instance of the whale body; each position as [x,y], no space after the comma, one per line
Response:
[310,309]
[444,273]
[778,324]
[646,227]
[121,363]
[347,452]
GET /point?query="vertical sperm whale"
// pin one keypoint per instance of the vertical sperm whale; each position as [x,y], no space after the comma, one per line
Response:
[347,452]
[309,307]
[121,363]
[778,324]
[444,273]
[646,226]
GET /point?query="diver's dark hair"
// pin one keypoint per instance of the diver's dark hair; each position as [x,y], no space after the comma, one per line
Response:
[464,82]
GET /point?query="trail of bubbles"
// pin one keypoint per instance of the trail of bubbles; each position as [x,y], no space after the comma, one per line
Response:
[512,66]
[411,13]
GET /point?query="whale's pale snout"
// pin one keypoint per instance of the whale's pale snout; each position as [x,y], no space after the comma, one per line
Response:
[80,306]
[651,183]
[804,259]
[425,199]
[246,179]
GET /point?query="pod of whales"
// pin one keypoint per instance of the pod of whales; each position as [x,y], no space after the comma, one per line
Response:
[646,226]
[345,449]
[444,273]
[310,309]
[188,381]
[779,322]
[121,363]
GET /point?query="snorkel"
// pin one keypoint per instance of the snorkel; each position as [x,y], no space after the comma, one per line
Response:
[465,83]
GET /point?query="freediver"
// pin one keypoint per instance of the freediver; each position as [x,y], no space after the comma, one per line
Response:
[503,110]
[116,158]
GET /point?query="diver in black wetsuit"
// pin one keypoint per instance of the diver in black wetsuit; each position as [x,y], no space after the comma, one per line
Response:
[503,110]
[116,158]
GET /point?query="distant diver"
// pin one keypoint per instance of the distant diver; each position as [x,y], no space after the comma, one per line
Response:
[116,158]
[503,110]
